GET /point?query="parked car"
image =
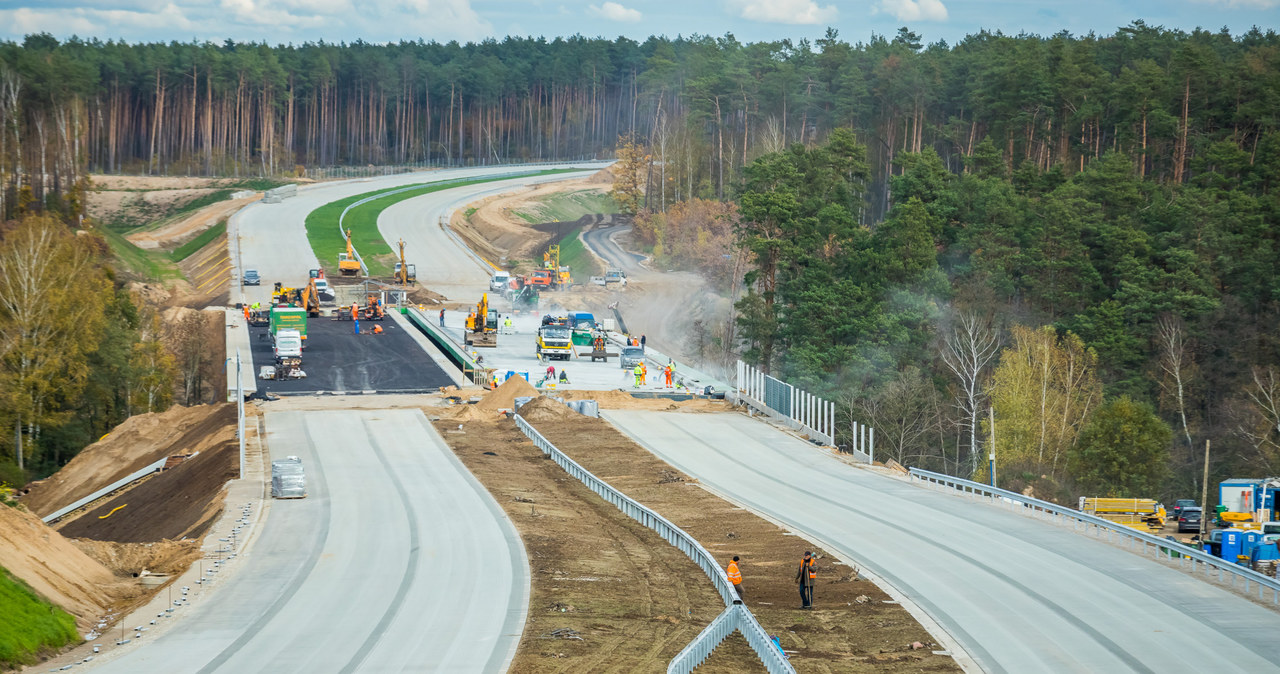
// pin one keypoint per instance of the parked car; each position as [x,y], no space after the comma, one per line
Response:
[251,278]
[1182,503]
[1189,519]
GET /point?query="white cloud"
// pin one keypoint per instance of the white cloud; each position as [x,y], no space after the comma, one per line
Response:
[784,11]
[915,10]
[615,12]
[272,21]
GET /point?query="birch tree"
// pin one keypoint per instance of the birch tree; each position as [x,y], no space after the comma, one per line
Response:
[1175,362]
[967,348]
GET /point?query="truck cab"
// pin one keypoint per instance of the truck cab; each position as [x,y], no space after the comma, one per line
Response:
[540,278]
[499,281]
[554,341]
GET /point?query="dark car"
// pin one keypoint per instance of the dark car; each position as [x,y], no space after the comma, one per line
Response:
[251,278]
[1182,503]
[1189,519]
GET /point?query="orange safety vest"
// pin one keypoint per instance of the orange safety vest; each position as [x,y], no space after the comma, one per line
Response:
[813,572]
[735,576]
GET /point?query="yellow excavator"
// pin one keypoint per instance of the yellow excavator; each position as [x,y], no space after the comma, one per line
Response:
[482,325]
[311,298]
[348,265]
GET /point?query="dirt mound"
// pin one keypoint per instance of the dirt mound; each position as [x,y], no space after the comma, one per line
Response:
[141,440]
[545,409]
[604,175]
[607,399]
[128,559]
[178,503]
[504,396]
[55,568]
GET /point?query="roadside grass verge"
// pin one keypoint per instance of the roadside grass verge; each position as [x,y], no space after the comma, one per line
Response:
[568,206]
[573,253]
[327,241]
[30,625]
[147,264]
[206,237]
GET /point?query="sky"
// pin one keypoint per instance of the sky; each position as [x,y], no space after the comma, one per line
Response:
[297,21]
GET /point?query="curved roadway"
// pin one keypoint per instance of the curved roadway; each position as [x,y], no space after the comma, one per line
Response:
[398,560]
[1017,594]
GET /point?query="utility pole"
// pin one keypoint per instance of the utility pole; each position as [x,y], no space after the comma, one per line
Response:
[991,455]
[1204,493]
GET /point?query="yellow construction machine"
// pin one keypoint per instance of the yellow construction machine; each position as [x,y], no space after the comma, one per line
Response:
[1143,514]
[482,325]
[348,265]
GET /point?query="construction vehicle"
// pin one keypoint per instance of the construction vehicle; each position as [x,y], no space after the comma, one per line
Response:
[500,281]
[598,347]
[555,341]
[558,275]
[540,278]
[525,298]
[482,325]
[405,273]
[372,308]
[1138,513]
[348,265]
[311,299]
[282,296]
[289,318]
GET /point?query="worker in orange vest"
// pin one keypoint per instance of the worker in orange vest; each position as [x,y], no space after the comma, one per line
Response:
[666,371]
[735,576]
[644,373]
[806,576]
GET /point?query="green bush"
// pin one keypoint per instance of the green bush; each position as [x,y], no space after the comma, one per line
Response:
[30,625]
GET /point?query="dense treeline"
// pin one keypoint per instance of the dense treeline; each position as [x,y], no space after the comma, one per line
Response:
[1108,323]
[704,106]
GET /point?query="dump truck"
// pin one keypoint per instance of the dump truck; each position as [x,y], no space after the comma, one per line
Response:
[555,341]
[348,265]
[288,479]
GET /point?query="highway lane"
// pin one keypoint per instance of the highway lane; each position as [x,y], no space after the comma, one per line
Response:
[398,560]
[1018,594]
[602,242]
[443,263]
[272,238]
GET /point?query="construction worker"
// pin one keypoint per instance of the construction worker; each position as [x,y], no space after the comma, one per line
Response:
[666,371]
[564,376]
[551,372]
[806,576]
[246,312]
[442,317]
[355,316]
[735,576]
[644,373]
[377,329]
[508,326]
[642,341]
[257,306]
[639,373]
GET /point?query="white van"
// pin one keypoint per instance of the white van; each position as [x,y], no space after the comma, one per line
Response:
[288,344]
[499,281]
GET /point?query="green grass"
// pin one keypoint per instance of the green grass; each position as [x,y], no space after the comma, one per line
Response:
[148,264]
[569,206]
[30,625]
[582,264]
[206,237]
[327,242]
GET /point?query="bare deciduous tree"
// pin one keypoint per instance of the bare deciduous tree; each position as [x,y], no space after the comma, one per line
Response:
[1175,361]
[967,348]
[1258,420]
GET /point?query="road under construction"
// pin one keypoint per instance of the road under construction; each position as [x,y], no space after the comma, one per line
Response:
[399,559]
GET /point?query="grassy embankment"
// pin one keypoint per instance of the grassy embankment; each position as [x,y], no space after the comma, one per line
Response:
[157,265]
[568,207]
[30,625]
[327,242]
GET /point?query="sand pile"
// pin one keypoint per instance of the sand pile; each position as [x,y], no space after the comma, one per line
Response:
[545,409]
[128,559]
[504,396]
[141,440]
[55,568]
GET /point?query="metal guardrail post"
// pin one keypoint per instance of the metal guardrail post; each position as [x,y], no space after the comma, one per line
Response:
[1157,544]
[736,616]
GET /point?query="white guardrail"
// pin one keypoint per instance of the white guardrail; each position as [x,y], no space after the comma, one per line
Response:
[364,269]
[735,617]
[1200,561]
[80,503]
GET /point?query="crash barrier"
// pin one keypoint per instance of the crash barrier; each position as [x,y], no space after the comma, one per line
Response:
[455,352]
[279,194]
[131,477]
[1201,563]
[702,645]
[364,269]
[330,172]
[805,411]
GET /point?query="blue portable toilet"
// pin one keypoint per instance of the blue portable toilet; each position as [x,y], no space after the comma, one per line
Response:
[1249,540]
[1232,542]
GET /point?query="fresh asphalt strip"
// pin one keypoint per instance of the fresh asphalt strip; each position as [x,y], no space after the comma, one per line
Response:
[337,360]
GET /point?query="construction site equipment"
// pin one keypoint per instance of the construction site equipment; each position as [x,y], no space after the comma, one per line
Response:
[1248,502]
[499,282]
[525,299]
[311,299]
[405,273]
[373,310]
[283,296]
[598,350]
[554,341]
[1139,513]
[584,327]
[288,479]
[348,265]
[259,318]
[482,325]
[540,278]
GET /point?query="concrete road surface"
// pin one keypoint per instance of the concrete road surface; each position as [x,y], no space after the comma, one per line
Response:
[398,560]
[1018,594]
[602,242]
[272,238]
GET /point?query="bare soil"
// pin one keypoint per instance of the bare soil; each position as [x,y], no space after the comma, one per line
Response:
[570,533]
[141,440]
[175,234]
[501,236]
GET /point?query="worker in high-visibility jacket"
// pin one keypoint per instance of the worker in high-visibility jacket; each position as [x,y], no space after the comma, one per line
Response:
[735,576]
[639,373]
[806,576]
[667,372]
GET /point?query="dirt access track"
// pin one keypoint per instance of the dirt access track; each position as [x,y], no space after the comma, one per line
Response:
[609,595]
